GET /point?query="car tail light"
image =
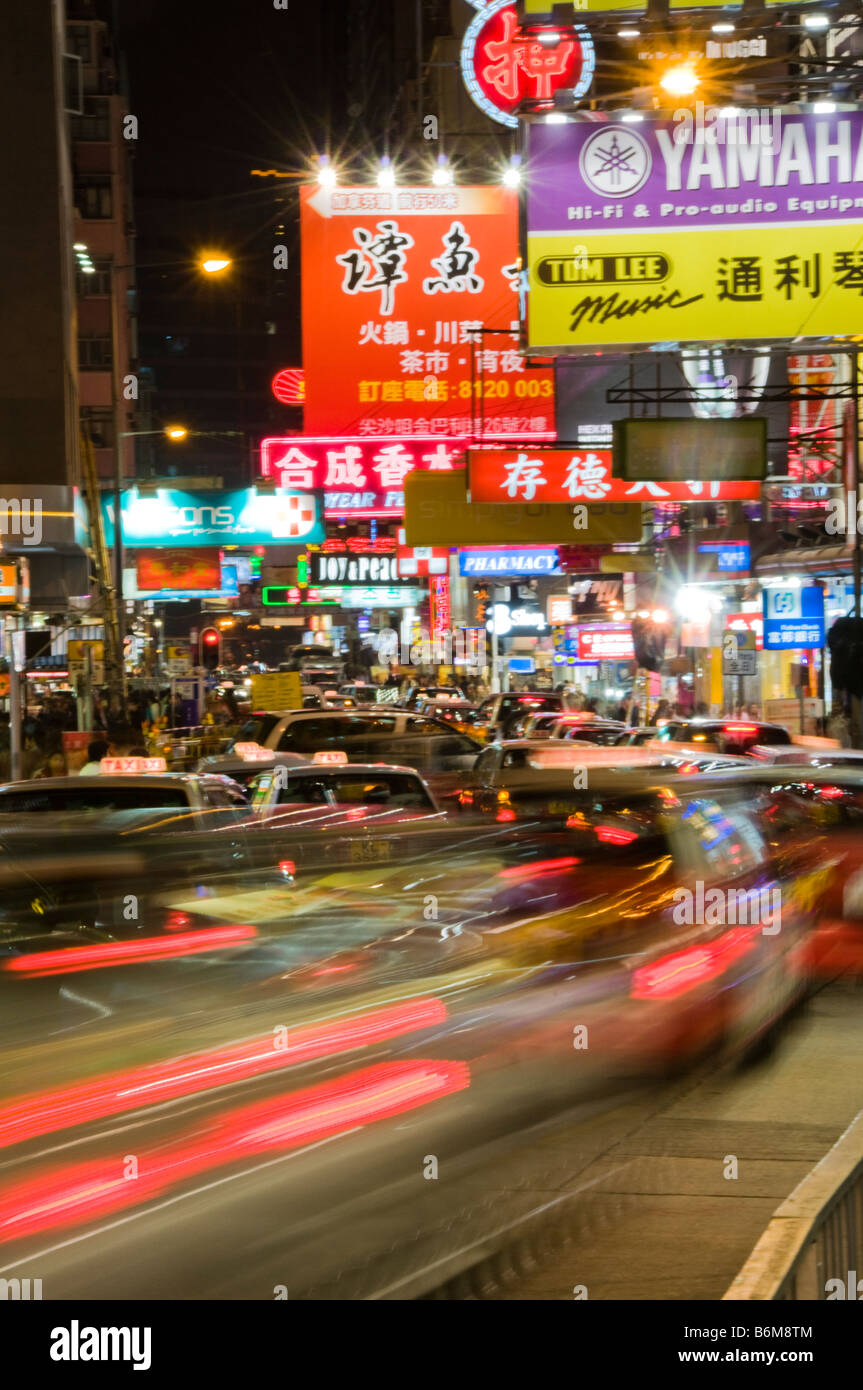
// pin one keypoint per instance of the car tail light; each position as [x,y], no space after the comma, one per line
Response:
[740,728]
[674,974]
[287,867]
[614,835]
[540,866]
[505,814]
[177,921]
[465,798]
[831,793]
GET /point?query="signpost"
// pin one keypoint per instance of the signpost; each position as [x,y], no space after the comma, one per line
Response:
[739,657]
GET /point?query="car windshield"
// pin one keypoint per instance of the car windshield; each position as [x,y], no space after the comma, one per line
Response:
[94,797]
[364,788]
[256,728]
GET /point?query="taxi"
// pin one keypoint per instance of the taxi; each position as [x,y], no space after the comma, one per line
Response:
[361,791]
[720,735]
[123,784]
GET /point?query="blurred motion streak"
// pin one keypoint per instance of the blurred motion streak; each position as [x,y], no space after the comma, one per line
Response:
[119,1092]
[78,1193]
[674,974]
[72,959]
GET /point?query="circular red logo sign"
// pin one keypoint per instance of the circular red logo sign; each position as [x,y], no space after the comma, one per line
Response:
[502,68]
[289,386]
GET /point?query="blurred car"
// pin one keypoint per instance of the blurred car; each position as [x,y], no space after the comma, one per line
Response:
[636,738]
[720,735]
[358,693]
[279,1098]
[380,791]
[135,790]
[438,693]
[460,714]
[498,714]
[819,756]
[430,745]
[246,761]
[603,732]
[542,725]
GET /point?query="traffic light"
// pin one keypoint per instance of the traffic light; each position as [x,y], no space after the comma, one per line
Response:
[211,648]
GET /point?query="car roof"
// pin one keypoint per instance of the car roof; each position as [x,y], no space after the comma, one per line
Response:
[167,779]
[317,769]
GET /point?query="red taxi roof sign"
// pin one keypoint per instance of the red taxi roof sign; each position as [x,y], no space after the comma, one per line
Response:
[253,752]
[333,756]
[118,767]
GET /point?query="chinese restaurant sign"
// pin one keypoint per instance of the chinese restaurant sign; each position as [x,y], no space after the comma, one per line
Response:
[359,477]
[502,68]
[581,475]
[396,286]
[611,209]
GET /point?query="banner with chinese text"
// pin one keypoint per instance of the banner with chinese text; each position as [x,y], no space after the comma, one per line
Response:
[359,477]
[396,286]
[581,475]
[658,232]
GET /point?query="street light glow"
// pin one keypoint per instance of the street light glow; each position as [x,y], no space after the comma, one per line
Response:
[176,431]
[386,174]
[327,177]
[213,264]
[679,81]
[442,176]
[512,173]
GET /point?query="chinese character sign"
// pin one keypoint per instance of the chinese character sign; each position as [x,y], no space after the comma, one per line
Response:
[580,475]
[359,477]
[502,67]
[793,618]
[775,213]
[397,288]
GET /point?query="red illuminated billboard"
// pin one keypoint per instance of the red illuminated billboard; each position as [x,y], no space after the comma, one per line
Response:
[580,475]
[399,289]
[605,642]
[359,477]
[178,570]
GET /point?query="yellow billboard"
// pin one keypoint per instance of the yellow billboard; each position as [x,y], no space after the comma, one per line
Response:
[437,512]
[552,10]
[644,287]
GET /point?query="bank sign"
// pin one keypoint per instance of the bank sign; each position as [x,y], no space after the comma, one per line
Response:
[793,618]
[612,207]
[246,517]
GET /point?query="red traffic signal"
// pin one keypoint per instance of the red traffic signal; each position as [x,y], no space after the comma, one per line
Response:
[211,648]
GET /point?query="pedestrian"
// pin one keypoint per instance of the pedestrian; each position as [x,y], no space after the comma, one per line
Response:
[54,765]
[838,726]
[97,749]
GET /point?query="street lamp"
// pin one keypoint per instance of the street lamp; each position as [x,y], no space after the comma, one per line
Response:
[680,80]
[214,264]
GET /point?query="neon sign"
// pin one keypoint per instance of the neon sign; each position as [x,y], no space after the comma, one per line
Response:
[502,68]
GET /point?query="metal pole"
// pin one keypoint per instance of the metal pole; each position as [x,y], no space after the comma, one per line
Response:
[855,464]
[15,732]
[856,708]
